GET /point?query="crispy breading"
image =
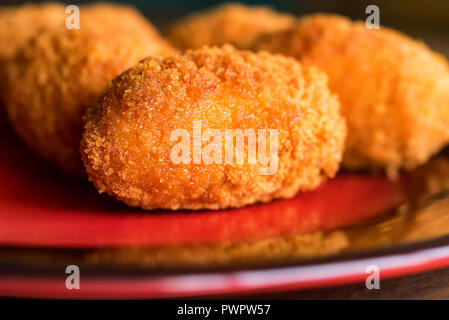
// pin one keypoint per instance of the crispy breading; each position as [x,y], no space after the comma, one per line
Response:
[53,79]
[18,24]
[394,91]
[232,23]
[127,146]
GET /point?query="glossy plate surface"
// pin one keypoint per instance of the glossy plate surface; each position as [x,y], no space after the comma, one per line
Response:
[49,220]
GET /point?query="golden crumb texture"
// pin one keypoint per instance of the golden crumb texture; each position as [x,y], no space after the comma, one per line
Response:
[18,24]
[393,90]
[231,23]
[54,77]
[127,145]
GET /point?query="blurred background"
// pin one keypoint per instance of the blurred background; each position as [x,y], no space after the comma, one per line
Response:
[427,20]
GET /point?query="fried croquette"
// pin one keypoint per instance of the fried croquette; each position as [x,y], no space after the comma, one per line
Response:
[124,18]
[232,23]
[128,144]
[394,91]
[52,80]
[18,24]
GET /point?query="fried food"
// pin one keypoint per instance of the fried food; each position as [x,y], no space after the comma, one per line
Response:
[232,23]
[128,144]
[394,91]
[53,79]
[18,24]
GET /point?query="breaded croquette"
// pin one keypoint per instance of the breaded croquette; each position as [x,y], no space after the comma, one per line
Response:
[129,145]
[57,75]
[394,91]
[18,24]
[232,23]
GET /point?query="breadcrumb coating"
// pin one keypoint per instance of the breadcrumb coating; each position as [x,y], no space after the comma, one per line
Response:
[53,79]
[394,91]
[232,23]
[126,144]
[18,24]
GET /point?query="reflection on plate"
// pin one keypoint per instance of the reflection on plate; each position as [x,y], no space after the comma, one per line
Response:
[48,221]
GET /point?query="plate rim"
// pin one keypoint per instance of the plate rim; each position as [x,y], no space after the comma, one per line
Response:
[274,279]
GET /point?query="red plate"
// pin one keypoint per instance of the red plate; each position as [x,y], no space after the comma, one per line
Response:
[42,208]
[236,282]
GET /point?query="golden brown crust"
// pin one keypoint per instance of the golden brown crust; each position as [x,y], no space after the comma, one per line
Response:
[126,144]
[57,75]
[232,23]
[18,24]
[108,19]
[394,91]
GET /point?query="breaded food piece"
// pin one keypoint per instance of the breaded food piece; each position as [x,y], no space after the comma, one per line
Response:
[394,91]
[56,76]
[18,24]
[108,19]
[232,23]
[127,145]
